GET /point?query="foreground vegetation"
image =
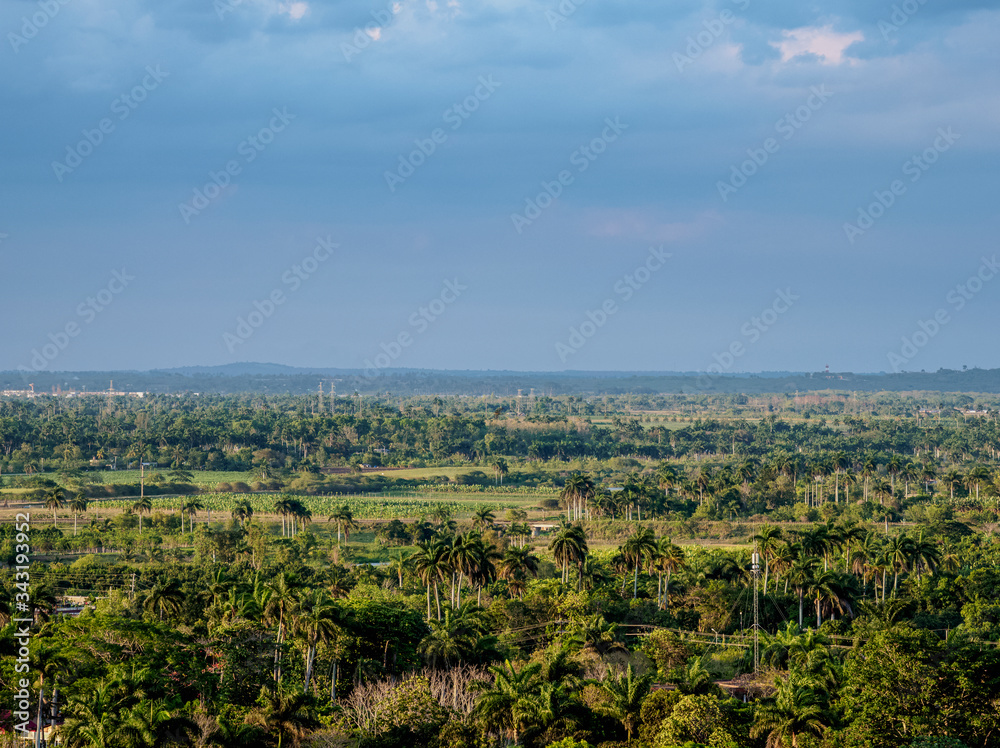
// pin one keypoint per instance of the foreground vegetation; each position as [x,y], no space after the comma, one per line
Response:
[327,604]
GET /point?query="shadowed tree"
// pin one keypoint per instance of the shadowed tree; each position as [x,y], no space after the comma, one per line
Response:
[289,714]
[626,692]
[797,711]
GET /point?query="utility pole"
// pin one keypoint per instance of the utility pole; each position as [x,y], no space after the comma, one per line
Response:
[131,594]
[321,396]
[755,573]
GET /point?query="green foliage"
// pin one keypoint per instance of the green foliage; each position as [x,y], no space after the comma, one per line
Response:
[695,718]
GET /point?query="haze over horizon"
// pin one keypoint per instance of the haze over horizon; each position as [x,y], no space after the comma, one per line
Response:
[505,185]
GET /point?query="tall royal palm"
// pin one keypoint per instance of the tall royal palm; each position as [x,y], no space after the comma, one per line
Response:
[569,546]
[284,590]
[345,521]
[767,539]
[142,506]
[54,500]
[800,575]
[431,564]
[191,508]
[515,568]
[78,505]
[639,548]
[669,558]
[577,491]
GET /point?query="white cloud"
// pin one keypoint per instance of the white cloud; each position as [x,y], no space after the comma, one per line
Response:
[821,41]
[294,10]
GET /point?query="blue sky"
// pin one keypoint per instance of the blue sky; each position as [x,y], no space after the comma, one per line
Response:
[815,184]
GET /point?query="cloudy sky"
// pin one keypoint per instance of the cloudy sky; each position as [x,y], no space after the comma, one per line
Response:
[512,184]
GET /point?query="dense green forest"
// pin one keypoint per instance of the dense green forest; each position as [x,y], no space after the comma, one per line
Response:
[549,572]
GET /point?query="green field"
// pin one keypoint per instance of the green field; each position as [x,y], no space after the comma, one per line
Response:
[208,478]
[369,506]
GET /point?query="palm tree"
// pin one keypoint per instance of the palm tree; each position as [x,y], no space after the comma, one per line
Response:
[142,506]
[243,511]
[695,678]
[626,693]
[430,561]
[289,714]
[840,464]
[454,637]
[898,553]
[782,558]
[816,542]
[800,574]
[569,545]
[669,559]
[579,488]
[977,476]
[78,505]
[345,522]
[826,589]
[849,536]
[483,519]
[165,598]
[952,479]
[54,499]
[500,469]
[510,702]
[282,597]
[283,507]
[927,473]
[94,717]
[315,620]
[639,547]
[894,467]
[924,554]
[666,477]
[191,507]
[767,539]
[797,710]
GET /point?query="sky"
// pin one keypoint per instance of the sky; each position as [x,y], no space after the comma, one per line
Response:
[723,186]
